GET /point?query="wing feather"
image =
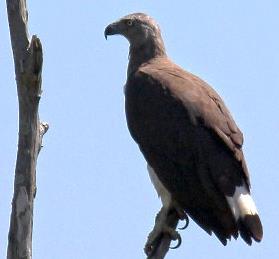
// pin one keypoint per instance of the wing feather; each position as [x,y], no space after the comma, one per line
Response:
[201,101]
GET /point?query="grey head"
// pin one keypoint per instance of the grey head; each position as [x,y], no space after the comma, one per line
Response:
[138,28]
[143,34]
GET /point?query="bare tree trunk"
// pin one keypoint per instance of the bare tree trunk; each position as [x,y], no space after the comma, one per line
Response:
[28,60]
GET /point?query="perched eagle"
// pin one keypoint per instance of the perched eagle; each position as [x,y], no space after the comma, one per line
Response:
[187,135]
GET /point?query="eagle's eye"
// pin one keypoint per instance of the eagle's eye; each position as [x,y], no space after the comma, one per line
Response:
[129,22]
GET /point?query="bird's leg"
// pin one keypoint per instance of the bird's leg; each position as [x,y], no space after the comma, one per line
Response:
[163,227]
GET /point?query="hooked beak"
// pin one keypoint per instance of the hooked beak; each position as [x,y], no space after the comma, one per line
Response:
[112,29]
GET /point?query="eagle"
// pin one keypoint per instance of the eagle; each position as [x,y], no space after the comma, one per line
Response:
[188,137]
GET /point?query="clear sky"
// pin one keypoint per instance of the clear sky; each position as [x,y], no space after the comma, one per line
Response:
[94,197]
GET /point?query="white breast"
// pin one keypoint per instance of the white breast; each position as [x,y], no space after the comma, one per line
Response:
[163,193]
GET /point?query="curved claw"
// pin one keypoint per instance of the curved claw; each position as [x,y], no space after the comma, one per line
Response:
[179,241]
[186,223]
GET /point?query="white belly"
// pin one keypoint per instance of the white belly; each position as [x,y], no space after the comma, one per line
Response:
[163,193]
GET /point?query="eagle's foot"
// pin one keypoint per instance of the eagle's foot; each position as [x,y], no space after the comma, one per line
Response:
[160,229]
[181,214]
[156,235]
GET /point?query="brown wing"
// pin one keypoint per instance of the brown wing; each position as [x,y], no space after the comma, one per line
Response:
[204,104]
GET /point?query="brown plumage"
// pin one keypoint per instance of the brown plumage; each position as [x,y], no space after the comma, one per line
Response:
[187,135]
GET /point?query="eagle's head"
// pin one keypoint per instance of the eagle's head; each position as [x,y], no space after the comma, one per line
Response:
[138,28]
[144,36]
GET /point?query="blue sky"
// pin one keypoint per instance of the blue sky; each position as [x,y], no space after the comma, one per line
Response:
[94,197]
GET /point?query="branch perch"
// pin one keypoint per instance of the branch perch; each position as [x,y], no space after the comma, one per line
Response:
[28,60]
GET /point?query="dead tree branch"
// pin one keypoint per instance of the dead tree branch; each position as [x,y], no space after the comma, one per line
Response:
[28,59]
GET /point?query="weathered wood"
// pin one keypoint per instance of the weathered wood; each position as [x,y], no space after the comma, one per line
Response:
[28,59]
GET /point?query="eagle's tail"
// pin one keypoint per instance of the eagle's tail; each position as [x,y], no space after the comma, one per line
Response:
[246,215]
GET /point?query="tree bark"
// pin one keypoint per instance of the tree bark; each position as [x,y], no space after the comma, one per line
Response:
[28,60]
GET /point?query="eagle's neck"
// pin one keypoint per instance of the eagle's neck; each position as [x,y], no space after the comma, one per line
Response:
[145,52]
